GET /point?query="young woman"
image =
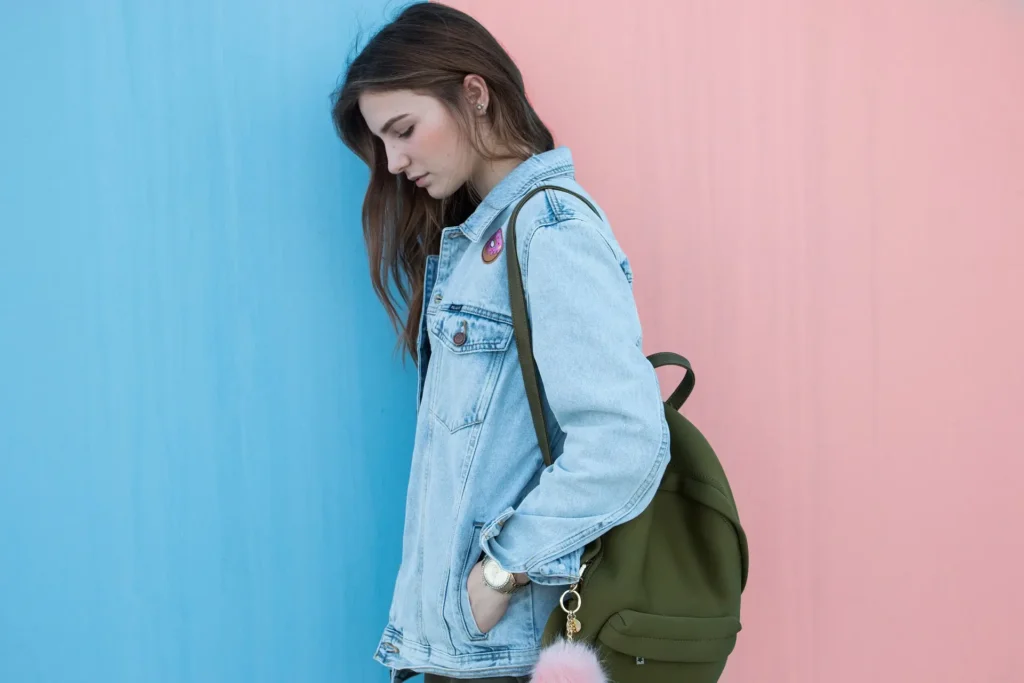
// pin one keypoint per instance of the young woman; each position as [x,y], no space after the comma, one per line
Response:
[438,111]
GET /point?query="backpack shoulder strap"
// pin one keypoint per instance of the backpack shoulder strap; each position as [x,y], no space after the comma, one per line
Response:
[520,320]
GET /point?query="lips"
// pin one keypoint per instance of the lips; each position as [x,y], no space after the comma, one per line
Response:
[420,179]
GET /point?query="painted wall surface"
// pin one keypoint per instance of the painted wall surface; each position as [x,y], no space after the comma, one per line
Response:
[824,203]
[203,429]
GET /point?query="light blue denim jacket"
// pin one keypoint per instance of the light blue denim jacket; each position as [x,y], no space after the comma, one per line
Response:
[478,483]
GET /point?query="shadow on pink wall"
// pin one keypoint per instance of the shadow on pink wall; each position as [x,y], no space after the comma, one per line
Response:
[824,203]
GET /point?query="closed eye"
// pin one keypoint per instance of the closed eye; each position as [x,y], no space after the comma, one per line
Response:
[405,135]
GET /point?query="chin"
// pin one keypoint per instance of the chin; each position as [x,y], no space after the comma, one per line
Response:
[438,191]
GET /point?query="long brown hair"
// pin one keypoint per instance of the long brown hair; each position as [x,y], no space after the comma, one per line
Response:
[428,48]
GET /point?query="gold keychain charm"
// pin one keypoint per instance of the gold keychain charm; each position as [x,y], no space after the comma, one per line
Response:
[572,624]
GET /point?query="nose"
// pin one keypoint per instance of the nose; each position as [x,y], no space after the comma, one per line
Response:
[397,161]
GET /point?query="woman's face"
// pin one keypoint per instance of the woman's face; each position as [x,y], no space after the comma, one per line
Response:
[423,140]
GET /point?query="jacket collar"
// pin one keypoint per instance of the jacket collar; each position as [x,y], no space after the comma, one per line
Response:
[530,173]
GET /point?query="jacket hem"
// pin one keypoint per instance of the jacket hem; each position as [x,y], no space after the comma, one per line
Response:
[405,656]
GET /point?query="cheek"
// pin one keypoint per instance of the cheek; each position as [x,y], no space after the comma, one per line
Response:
[429,144]
[439,147]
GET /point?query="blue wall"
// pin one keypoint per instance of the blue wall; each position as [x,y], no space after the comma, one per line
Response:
[204,430]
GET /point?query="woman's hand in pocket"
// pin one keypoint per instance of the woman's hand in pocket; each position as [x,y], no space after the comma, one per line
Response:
[488,605]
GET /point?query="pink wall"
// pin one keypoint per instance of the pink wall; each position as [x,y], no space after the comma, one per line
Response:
[824,203]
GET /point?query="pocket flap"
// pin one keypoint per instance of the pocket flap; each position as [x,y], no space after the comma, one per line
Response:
[670,639]
[468,329]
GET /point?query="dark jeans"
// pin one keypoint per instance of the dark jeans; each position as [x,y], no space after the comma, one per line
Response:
[431,678]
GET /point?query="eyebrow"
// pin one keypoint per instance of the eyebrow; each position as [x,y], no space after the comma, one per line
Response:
[392,121]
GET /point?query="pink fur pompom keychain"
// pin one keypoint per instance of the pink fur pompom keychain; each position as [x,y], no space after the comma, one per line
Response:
[566,661]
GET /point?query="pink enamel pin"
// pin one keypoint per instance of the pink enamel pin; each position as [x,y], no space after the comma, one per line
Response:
[493,247]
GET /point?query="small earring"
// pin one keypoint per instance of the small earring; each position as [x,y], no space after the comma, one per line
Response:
[480,107]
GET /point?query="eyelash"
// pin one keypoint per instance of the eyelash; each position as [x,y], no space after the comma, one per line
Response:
[406,134]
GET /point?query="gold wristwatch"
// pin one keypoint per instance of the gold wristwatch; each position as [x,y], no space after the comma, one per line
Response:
[497,578]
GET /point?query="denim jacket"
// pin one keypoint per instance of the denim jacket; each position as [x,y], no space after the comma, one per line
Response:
[478,483]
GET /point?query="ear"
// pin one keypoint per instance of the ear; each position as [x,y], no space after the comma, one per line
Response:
[477,94]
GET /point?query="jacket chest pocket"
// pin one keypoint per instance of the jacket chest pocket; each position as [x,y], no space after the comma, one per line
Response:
[469,347]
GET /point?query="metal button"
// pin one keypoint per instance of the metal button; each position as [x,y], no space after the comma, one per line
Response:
[459,338]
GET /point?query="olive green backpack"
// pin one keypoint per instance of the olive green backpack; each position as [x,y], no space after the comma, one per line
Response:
[659,596]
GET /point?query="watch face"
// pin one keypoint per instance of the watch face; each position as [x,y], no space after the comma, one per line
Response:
[495,575]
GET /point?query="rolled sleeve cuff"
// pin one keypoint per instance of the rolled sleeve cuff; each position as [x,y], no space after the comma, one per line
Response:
[561,570]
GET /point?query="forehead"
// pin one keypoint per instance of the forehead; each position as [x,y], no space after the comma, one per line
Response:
[379,107]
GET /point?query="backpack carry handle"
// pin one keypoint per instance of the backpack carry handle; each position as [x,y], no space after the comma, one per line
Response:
[685,388]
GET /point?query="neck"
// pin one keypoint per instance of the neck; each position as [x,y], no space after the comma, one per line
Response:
[490,173]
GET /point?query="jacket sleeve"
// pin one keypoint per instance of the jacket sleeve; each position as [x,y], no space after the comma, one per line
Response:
[602,391]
